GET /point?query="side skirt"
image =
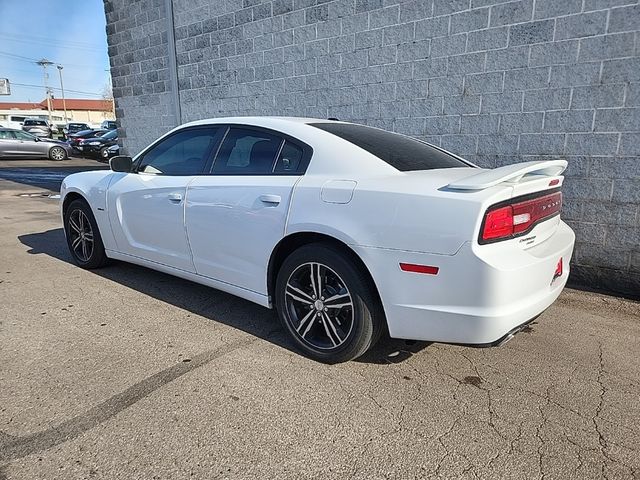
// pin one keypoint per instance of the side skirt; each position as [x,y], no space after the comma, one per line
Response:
[250,295]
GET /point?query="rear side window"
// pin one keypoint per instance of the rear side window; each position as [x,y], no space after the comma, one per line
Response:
[401,152]
[289,158]
[247,152]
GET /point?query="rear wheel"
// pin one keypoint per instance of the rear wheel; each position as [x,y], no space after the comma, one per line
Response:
[57,153]
[83,236]
[327,305]
[104,153]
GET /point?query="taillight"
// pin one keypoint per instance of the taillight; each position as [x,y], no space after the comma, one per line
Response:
[498,223]
[519,216]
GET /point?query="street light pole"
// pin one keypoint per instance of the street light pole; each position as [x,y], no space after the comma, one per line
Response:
[64,102]
[44,63]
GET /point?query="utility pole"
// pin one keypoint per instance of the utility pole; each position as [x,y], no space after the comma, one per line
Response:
[64,102]
[44,63]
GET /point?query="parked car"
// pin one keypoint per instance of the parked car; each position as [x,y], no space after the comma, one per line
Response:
[113,150]
[109,125]
[39,127]
[75,138]
[342,228]
[16,143]
[97,146]
[74,127]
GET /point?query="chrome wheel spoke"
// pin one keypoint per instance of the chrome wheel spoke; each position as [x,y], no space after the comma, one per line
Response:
[308,318]
[340,305]
[326,329]
[328,320]
[76,242]
[85,250]
[74,225]
[298,295]
[335,298]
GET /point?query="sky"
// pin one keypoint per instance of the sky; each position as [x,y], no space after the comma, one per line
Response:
[70,33]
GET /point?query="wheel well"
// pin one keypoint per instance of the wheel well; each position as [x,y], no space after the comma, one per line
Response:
[288,244]
[70,197]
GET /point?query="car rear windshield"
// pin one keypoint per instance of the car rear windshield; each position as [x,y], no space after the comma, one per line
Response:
[401,152]
[34,122]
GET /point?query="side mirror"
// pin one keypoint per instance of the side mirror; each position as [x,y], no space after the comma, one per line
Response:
[121,163]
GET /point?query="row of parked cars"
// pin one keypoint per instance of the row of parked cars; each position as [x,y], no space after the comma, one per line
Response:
[35,141]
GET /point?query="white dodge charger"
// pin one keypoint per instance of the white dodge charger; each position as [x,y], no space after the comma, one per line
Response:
[345,229]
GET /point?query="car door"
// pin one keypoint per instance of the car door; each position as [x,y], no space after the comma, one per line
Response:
[146,207]
[28,145]
[236,215]
[9,144]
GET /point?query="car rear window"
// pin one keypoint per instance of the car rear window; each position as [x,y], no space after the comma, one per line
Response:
[34,122]
[401,152]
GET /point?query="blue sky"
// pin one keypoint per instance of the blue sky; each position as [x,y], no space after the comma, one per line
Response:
[70,33]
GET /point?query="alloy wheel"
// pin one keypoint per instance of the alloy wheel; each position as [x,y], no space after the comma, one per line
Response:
[81,235]
[319,306]
[57,153]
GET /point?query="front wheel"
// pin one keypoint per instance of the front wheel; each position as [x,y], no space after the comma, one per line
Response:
[57,153]
[327,304]
[104,153]
[83,236]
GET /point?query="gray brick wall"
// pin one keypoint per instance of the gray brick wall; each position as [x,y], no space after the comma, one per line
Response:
[498,82]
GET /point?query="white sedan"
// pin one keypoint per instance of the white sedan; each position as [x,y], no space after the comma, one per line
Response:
[346,230]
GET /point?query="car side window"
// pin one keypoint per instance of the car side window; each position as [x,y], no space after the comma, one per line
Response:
[246,151]
[22,136]
[184,153]
[4,135]
[289,158]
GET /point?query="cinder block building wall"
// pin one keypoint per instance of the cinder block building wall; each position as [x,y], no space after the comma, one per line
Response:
[495,81]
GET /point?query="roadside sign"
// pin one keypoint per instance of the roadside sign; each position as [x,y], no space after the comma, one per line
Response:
[5,88]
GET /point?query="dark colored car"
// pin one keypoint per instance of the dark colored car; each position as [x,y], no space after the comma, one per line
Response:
[74,139]
[98,146]
[75,127]
[39,127]
[108,125]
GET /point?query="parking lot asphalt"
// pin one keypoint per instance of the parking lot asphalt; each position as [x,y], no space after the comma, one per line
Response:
[126,373]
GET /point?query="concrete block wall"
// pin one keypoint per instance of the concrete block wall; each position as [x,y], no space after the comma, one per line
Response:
[497,82]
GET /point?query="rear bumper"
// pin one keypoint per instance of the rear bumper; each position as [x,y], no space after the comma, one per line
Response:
[479,295]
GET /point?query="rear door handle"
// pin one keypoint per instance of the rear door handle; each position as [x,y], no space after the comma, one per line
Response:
[270,199]
[175,197]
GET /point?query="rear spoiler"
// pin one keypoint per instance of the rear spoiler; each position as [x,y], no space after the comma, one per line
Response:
[509,173]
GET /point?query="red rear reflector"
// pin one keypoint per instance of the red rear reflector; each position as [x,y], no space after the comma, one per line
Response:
[553,182]
[558,272]
[411,267]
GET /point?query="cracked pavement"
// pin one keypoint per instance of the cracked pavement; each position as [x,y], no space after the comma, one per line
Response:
[129,373]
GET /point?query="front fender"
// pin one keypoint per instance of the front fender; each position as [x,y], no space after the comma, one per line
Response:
[92,186]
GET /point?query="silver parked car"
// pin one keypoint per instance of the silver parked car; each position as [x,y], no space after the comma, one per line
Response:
[16,143]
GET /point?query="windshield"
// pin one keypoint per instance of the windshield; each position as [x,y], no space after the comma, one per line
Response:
[34,122]
[111,135]
[401,152]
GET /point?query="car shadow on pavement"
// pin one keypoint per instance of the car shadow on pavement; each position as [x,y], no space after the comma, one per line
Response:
[208,302]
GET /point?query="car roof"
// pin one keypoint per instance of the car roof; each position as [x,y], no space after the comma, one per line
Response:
[264,121]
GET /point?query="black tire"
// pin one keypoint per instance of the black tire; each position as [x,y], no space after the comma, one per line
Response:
[104,154]
[328,333]
[78,217]
[57,153]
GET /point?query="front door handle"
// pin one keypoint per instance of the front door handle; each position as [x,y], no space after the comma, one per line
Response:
[270,199]
[175,197]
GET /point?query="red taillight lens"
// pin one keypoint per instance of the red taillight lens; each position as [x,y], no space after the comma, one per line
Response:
[558,272]
[498,223]
[532,211]
[519,217]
